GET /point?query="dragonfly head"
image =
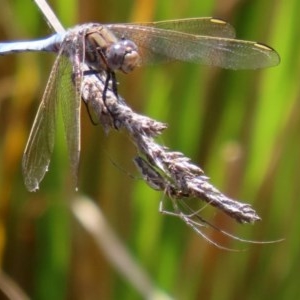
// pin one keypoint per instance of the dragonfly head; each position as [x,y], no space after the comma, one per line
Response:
[123,56]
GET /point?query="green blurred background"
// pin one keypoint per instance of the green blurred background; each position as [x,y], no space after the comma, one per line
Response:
[241,127]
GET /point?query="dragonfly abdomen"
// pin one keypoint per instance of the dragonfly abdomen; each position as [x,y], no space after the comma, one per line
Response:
[50,44]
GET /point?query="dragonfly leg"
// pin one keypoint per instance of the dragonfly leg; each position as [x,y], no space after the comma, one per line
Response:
[110,76]
[114,83]
[90,114]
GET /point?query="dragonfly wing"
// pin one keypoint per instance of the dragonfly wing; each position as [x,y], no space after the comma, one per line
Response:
[197,26]
[159,45]
[70,101]
[40,144]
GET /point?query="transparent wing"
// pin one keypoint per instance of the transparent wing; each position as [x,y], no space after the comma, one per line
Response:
[70,101]
[40,144]
[159,45]
[39,148]
[197,26]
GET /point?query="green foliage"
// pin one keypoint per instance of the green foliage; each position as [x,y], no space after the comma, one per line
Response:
[241,127]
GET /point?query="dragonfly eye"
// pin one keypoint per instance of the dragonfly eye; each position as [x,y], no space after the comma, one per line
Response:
[123,56]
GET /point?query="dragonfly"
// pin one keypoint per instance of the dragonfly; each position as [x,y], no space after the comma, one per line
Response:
[95,48]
